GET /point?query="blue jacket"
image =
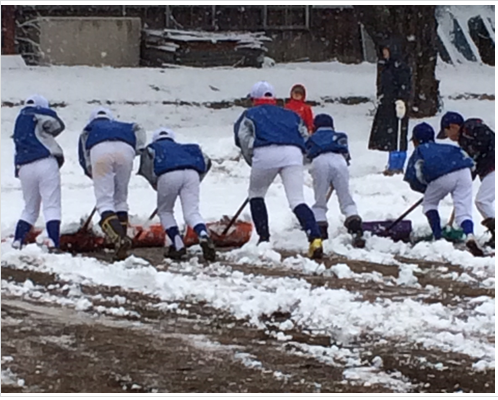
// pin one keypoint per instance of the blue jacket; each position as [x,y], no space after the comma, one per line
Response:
[326,140]
[34,132]
[102,130]
[166,155]
[171,156]
[431,160]
[267,125]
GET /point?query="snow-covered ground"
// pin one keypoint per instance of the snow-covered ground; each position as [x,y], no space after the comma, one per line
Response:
[138,95]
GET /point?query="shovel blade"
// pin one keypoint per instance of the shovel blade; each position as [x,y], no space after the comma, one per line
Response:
[400,232]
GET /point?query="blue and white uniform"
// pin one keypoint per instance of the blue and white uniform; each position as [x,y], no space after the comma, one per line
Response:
[438,170]
[106,151]
[478,140]
[272,141]
[329,153]
[38,158]
[175,170]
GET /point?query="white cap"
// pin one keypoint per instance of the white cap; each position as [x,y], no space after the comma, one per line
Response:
[37,101]
[162,133]
[101,112]
[262,89]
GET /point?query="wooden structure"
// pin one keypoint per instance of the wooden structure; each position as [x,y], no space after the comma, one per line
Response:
[203,49]
[297,32]
[8,30]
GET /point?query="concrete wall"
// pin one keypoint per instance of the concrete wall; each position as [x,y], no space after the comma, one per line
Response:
[90,41]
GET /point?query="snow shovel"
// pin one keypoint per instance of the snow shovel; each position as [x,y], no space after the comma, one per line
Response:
[149,236]
[81,241]
[449,233]
[398,230]
[225,233]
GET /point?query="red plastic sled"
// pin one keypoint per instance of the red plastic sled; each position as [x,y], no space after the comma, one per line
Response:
[238,234]
[152,236]
[78,242]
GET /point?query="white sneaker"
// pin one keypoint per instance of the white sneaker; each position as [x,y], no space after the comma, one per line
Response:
[16,244]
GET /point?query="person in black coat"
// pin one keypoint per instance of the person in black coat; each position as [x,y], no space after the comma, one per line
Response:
[390,126]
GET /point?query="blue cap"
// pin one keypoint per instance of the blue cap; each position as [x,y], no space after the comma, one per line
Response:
[423,133]
[449,118]
[323,121]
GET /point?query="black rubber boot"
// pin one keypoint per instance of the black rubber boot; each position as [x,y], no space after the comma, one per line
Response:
[208,248]
[324,229]
[353,225]
[490,224]
[113,229]
[123,220]
[174,254]
[474,247]
[263,240]
[260,218]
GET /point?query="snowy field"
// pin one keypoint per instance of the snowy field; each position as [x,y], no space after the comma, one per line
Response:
[430,300]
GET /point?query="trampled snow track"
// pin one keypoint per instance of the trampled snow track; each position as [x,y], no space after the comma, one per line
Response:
[112,330]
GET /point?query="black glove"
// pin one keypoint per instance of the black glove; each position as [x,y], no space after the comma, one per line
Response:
[60,160]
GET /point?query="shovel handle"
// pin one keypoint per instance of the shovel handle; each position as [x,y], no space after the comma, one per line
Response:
[404,215]
[154,213]
[151,216]
[232,221]
[329,193]
[85,226]
[452,218]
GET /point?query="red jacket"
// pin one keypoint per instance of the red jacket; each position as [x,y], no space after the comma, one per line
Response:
[301,108]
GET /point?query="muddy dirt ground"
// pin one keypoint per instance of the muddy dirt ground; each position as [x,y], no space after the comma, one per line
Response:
[154,349]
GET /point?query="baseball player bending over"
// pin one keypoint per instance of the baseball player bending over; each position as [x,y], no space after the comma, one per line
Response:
[438,170]
[330,157]
[272,142]
[106,151]
[38,159]
[176,170]
[478,141]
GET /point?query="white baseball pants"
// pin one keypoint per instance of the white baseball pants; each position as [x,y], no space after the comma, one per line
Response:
[459,185]
[331,169]
[485,198]
[112,163]
[183,183]
[276,156]
[292,178]
[41,184]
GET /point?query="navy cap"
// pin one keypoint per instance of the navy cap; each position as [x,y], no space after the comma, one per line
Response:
[449,118]
[423,133]
[323,121]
